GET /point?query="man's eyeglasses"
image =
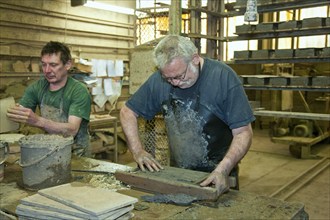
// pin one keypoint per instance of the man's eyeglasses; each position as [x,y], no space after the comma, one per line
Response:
[179,77]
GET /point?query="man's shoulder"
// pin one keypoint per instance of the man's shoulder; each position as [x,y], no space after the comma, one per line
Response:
[74,84]
[216,63]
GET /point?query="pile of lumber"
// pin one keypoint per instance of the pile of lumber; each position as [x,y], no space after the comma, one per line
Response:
[76,201]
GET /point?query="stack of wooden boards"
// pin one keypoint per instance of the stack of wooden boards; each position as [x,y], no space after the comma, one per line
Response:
[76,201]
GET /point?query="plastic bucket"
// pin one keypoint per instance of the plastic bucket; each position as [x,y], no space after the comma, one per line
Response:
[45,160]
[4,150]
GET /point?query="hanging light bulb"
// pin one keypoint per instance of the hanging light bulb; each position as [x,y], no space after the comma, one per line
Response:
[251,13]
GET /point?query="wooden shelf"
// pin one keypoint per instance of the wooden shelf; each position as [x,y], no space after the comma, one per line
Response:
[278,5]
[271,82]
[300,115]
[297,32]
[23,74]
[281,60]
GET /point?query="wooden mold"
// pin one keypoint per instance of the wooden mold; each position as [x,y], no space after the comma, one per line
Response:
[171,180]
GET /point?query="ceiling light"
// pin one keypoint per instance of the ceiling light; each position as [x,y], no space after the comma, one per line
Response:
[108,7]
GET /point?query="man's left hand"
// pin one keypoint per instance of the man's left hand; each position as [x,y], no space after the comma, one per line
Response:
[219,179]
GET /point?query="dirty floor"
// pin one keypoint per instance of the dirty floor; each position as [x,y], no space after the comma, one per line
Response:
[269,169]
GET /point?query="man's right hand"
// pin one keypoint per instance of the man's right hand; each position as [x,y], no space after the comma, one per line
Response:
[143,158]
[21,114]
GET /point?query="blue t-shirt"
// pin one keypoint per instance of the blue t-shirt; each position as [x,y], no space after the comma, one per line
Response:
[220,90]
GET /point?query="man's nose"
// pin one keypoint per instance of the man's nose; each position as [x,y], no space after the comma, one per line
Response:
[175,82]
[47,68]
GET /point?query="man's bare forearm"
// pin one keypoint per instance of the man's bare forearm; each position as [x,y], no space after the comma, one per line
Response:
[53,127]
[129,124]
[242,139]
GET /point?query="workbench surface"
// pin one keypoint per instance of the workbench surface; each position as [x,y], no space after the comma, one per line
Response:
[232,205]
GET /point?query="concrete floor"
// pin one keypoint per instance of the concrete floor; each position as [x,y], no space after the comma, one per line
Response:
[269,166]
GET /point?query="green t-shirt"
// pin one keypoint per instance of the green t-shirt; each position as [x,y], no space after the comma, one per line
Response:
[74,99]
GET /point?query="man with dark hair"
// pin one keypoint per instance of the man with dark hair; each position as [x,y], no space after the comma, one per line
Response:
[206,111]
[64,102]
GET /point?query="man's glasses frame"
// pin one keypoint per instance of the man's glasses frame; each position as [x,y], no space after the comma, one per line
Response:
[179,77]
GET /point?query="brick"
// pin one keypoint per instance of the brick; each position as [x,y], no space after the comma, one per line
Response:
[312,22]
[266,27]
[326,52]
[257,81]
[306,52]
[327,21]
[278,81]
[245,54]
[287,25]
[262,54]
[299,81]
[320,81]
[284,53]
[245,28]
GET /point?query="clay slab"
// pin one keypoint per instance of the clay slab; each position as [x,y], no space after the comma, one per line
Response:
[95,201]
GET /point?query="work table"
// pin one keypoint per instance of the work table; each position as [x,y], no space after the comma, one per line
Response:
[232,205]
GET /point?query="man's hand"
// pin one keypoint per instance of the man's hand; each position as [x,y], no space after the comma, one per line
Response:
[143,158]
[21,114]
[219,179]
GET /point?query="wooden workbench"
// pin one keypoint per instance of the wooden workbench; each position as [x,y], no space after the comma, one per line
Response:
[232,205]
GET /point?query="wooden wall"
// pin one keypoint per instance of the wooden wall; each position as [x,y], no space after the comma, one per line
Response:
[27,25]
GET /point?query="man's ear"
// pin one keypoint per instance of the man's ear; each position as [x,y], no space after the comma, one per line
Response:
[195,59]
[68,65]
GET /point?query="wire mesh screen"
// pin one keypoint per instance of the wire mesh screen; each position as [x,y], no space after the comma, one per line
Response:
[151,23]
[154,139]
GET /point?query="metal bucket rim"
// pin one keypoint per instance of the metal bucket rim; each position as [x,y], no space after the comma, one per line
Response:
[6,149]
[28,142]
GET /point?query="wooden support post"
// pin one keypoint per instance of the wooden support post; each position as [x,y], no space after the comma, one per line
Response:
[175,17]
[195,22]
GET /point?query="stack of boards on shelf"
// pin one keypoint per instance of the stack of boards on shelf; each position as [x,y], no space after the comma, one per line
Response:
[76,201]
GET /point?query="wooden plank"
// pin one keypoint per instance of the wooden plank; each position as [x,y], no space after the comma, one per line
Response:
[6,124]
[171,180]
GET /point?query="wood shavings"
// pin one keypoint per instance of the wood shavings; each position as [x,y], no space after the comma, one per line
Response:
[107,182]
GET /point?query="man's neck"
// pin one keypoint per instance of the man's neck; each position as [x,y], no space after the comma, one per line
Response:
[58,85]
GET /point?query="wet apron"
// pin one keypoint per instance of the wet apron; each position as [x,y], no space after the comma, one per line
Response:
[198,139]
[81,140]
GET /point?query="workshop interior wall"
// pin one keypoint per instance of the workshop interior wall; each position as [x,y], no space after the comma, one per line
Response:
[28,25]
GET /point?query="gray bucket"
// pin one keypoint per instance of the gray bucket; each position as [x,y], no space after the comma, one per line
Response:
[4,150]
[45,160]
